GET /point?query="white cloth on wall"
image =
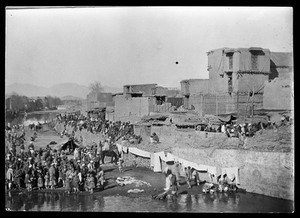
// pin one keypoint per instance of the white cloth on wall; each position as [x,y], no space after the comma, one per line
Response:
[140,153]
[151,159]
[131,149]
[120,148]
[157,162]
[212,170]
[162,155]
[230,172]
[125,149]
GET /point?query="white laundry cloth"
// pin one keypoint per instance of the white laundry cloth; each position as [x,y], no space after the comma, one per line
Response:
[157,162]
[131,149]
[125,149]
[201,167]
[140,152]
[120,148]
[162,155]
[232,172]
[151,159]
[213,172]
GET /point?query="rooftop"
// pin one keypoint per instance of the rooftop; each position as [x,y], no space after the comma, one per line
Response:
[150,84]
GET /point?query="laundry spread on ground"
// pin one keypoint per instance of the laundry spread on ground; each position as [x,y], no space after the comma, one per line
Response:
[126,180]
[136,190]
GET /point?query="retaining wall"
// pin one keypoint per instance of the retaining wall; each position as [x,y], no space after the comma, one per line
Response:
[267,173]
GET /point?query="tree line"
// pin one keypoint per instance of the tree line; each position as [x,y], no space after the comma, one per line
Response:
[16,103]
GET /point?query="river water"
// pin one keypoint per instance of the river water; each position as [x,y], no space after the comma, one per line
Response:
[200,203]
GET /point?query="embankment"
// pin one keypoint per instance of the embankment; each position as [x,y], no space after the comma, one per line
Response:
[269,173]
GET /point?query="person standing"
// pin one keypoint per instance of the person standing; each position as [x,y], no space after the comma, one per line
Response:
[40,182]
[188,176]
[10,177]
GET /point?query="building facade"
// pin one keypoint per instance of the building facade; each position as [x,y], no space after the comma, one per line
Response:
[237,77]
[97,100]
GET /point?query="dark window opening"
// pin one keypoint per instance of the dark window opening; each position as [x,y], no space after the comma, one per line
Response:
[135,95]
[230,62]
[160,100]
[254,62]
[230,88]
[230,59]
[127,89]
[254,59]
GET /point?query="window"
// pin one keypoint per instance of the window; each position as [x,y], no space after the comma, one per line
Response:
[254,62]
[230,89]
[230,62]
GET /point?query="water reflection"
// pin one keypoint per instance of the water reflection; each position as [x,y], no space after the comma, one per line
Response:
[215,202]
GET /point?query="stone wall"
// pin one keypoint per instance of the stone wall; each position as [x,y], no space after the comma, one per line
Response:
[267,173]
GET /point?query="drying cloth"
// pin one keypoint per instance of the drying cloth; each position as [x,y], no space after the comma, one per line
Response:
[125,149]
[120,148]
[186,163]
[136,190]
[139,152]
[142,153]
[202,167]
[157,162]
[232,172]
[173,157]
[162,155]
[151,159]
[131,149]
[212,170]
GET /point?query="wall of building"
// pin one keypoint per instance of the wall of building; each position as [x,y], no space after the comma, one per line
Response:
[199,86]
[263,60]
[147,89]
[131,109]
[218,64]
[246,82]
[278,94]
[160,91]
[95,100]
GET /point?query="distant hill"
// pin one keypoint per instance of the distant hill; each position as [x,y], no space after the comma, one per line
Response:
[59,90]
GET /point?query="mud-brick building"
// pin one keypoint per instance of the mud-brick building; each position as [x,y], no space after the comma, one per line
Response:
[138,100]
[99,100]
[236,82]
[279,90]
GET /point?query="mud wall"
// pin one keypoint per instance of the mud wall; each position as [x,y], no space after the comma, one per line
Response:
[267,173]
[278,95]
[224,103]
[131,109]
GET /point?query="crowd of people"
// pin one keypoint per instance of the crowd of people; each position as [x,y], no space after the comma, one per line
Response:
[79,121]
[50,168]
[232,129]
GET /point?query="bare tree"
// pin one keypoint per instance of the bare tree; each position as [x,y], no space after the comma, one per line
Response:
[96,87]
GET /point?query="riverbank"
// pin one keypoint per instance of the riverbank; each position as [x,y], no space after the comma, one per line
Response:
[268,173]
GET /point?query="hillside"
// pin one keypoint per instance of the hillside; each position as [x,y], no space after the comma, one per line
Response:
[59,90]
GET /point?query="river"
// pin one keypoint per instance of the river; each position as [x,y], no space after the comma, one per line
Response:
[200,203]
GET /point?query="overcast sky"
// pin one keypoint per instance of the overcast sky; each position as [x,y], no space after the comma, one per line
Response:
[132,45]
